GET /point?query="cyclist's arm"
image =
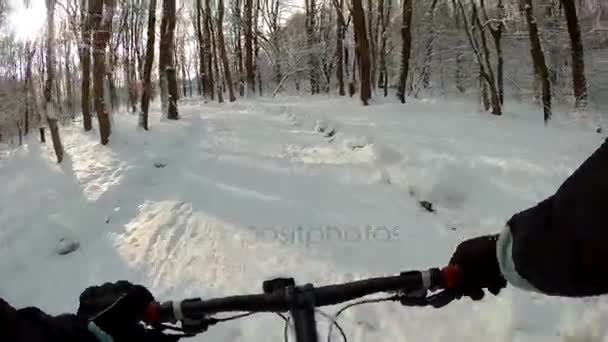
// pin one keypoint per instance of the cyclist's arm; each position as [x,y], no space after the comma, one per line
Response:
[33,325]
[560,246]
[8,316]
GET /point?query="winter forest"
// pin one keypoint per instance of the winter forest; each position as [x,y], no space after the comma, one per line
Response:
[201,147]
[93,58]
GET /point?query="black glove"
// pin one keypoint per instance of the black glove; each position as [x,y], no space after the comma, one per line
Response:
[116,308]
[477,260]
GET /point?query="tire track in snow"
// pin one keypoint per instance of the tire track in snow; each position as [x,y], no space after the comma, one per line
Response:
[215,260]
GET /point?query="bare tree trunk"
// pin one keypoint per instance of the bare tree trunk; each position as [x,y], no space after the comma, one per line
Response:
[500,66]
[101,36]
[372,43]
[68,80]
[147,84]
[203,79]
[351,80]
[311,42]
[496,32]
[57,84]
[208,49]
[199,83]
[218,81]
[339,5]
[85,61]
[363,51]
[459,72]
[538,58]
[139,46]
[489,75]
[276,40]
[406,36]
[553,49]
[578,59]
[222,47]
[19,131]
[26,116]
[385,20]
[238,48]
[485,99]
[166,55]
[133,56]
[172,113]
[183,67]
[34,92]
[49,110]
[459,53]
[482,54]
[42,135]
[41,70]
[111,82]
[347,73]
[24,76]
[189,75]
[430,42]
[133,92]
[256,47]
[176,63]
[259,82]
[249,48]
[28,86]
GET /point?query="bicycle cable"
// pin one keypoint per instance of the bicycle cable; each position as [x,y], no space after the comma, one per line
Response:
[334,322]
[365,301]
[322,313]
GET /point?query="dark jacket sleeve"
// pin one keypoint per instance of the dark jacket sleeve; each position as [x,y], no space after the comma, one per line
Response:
[8,317]
[560,246]
[33,325]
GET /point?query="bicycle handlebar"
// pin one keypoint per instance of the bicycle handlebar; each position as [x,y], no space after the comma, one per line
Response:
[281,301]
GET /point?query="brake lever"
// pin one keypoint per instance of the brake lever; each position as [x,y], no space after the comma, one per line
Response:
[190,327]
[442,298]
[197,326]
[414,298]
[421,298]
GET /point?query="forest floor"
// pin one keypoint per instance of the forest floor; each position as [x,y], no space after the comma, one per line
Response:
[321,189]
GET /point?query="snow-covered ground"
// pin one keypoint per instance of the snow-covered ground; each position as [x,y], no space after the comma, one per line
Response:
[321,189]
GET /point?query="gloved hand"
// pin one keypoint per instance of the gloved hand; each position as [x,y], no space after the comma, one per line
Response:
[116,308]
[478,263]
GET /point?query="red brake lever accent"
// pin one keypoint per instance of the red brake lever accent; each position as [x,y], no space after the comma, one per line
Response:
[452,277]
[152,314]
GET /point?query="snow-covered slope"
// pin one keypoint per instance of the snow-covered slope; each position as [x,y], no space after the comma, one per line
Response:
[324,190]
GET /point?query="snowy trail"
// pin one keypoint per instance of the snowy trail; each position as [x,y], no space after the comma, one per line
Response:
[246,191]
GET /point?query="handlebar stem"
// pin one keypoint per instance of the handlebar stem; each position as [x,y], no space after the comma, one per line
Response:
[302,309]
